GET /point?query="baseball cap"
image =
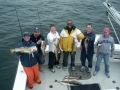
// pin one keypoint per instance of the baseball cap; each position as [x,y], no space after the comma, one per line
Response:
[106,30]
[26,34]
[36,29]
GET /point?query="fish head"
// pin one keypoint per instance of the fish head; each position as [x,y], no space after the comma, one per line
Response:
[86,40]
[43,44]
[39,41]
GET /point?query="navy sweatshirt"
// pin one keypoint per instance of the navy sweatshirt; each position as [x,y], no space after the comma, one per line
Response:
[91,37]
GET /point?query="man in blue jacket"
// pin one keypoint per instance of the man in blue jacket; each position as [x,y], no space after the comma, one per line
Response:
[106,49]
[87,48]
[28,61]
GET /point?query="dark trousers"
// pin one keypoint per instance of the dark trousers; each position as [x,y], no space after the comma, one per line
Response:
[40,57]
[89,57]
[52,60]
[65,58]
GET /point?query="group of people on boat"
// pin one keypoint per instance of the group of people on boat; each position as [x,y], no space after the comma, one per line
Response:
[70,34]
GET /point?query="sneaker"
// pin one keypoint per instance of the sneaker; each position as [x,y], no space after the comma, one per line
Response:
[108,75]
[95,72]
[89,70]
[64,68]
[82,68]
[73,68]
[57,66]
[52,70]
[41,70]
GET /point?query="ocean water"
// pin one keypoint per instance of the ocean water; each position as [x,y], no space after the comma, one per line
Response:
[42,13]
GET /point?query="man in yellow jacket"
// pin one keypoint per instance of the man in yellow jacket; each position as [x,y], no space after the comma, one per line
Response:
[67,37]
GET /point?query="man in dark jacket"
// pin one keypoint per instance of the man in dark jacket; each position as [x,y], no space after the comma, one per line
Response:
[28,61]
[87,48]
[35,37]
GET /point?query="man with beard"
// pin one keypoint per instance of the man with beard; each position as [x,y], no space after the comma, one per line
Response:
[35,37]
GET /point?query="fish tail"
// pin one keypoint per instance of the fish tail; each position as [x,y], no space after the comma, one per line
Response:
[11,50]
[55,45]
[43,53]
[72,52]
[56,57]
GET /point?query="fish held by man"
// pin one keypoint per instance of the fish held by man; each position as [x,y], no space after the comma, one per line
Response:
[39,41]
[74,45]
[25,49]
[56,49]
[43,47]
[86,43]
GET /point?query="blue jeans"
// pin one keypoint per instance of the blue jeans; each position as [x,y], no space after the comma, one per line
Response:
[106,62]
[65,58]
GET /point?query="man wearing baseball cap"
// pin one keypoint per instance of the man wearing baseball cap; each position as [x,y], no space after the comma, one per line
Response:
[106,48]
[28,61]
[35,37]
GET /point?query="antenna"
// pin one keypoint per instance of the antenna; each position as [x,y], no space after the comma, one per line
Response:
[18,22]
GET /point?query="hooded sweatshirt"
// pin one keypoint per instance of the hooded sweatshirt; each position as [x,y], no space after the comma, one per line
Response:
[107,44]
[91,37]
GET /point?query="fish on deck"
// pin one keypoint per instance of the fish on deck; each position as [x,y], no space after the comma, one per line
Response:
[25,49]
[70,82]
[72,77]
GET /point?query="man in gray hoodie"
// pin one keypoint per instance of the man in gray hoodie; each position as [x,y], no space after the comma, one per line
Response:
[106,47]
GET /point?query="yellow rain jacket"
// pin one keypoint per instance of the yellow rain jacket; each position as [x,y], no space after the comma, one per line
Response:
[66,39]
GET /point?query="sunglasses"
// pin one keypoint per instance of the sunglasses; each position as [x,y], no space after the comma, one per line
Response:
[26,36]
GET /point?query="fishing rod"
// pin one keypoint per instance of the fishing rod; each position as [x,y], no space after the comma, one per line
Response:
[19,22]
[39,19]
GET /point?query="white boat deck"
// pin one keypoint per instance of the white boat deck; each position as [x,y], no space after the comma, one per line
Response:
[48,78]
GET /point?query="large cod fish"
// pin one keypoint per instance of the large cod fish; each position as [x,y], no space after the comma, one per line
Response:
[56,49]
[70,82]
[25,49]
[43,46]
[74,45]
[86,43]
